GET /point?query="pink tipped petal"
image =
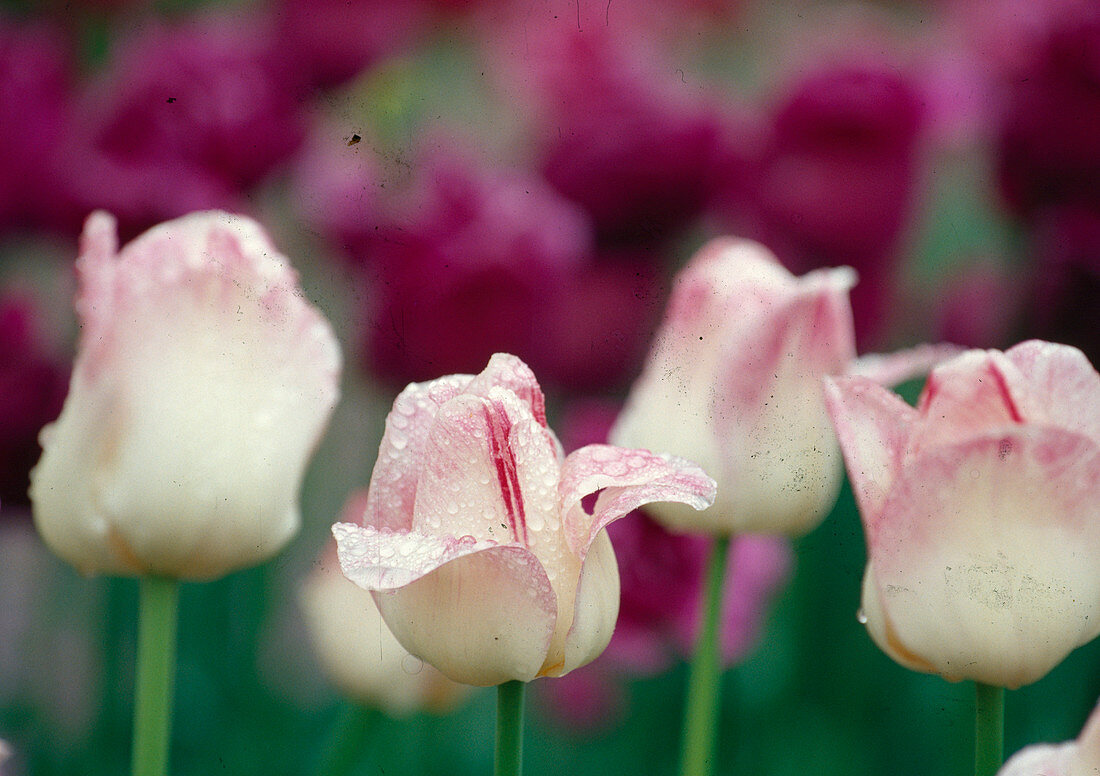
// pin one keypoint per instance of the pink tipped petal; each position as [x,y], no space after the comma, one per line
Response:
[625,480]
[891,369]
[993,544]
[393,483]
[507,371]
[386,560]
[203,382]
[482,619]
[976,392]
[873,426]
[1065,372]
[595,608]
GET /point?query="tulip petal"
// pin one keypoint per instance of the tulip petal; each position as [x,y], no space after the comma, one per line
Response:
[873,425]
[625,480]
[595,608]
[393,483]
[1062,371]
[993,543]
[891,369]
[507,371]
[470,480]
[202,383]
[481,613]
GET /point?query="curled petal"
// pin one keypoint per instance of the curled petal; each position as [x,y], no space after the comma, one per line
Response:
[873,425]
[626,480]
[991,544]
[891,369]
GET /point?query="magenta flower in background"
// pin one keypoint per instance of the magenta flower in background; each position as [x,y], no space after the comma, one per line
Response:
[472,261]
[203,381]
[979,306]
[1065,305]
[618,134]
[981,509]
[488,557]
[32,389]
[330,42]
[1048,154]
[1080,757]
[186,116]
[36,73]
[839,179]
[336,192]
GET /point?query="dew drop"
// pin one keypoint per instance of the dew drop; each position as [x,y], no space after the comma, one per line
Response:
[399,440]
[412,665]
[975,474]
[861,617]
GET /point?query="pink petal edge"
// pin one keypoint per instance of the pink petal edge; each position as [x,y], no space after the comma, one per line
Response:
[628,479]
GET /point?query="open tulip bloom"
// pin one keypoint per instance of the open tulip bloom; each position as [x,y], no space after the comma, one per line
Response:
[202,383]
[486,558]
[733,381]
[981,510]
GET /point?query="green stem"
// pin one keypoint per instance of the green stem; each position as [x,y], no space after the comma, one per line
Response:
[989,729]
[509,752]
[348,740]
[701,713]
[156,662]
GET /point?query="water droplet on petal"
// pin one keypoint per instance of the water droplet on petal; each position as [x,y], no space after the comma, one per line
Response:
[861,617]
[412,665]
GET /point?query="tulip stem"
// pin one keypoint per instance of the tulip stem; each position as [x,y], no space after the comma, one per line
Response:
[158,605]
[509,753]
[989,729]
[701,708]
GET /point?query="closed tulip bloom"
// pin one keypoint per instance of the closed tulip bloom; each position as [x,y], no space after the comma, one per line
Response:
[981,510]
[734,382]
[359,654]
[202,382]
[1080,757]
[487,553]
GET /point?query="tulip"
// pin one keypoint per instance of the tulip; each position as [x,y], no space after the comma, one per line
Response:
[734,382]
[202,382]
[1072,758]
[359,654]
[981,509]
[483,544]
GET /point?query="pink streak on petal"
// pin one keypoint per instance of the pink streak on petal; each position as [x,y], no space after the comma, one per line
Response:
[393,483]
[504,459]
[508,371]
[976,392]
[626,479]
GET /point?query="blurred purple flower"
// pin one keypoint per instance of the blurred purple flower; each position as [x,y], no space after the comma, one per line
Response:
[1049,154]
[36,70]
[331,41]
[187,116]
[622,134]
[839,179]
[470,263]
[1066,302]
[32,389]
[336,188]
[978,307]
